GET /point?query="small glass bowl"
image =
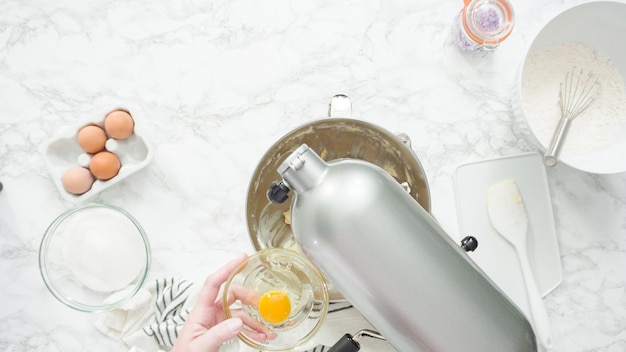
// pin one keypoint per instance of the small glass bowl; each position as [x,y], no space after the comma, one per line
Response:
[94,257]
[285,271]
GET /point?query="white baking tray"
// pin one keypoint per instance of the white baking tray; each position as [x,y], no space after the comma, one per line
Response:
[495,255]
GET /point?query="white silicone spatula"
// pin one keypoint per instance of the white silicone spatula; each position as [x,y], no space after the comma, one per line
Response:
[508,217]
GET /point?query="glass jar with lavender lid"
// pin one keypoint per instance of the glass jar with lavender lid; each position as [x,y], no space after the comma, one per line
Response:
[483,24]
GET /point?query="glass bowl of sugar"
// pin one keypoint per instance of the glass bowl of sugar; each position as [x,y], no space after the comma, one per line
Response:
[94,257]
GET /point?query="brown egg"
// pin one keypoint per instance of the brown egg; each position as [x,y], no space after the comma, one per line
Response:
[91,138]
[105,165]
[77,180]
[119,124]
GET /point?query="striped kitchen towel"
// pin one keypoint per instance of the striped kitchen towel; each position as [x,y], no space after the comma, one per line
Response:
[152,320]
[170,310]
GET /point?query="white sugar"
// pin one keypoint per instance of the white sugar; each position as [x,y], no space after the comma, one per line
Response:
[103,250]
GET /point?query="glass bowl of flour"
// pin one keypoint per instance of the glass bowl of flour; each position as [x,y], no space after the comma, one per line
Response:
[94,257]
[588,37]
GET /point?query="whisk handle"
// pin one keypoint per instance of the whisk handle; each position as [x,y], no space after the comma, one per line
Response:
[550,157]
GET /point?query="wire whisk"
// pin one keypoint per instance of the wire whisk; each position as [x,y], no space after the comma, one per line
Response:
[577,92]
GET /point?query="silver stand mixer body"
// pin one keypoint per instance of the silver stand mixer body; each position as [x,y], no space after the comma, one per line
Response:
[394,262]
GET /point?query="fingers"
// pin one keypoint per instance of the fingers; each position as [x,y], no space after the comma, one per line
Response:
[258,336]
[212,284]
[253,328]
[245,295]
[213,338]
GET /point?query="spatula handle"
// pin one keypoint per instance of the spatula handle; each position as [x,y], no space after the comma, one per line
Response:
[540,319]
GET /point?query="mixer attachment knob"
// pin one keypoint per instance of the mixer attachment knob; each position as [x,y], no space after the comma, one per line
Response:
[346,344]
[278,193]
[469,243]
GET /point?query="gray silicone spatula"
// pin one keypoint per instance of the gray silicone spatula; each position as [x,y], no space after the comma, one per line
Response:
[507,215]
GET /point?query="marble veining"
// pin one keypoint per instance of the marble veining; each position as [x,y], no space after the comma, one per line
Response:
[214,83]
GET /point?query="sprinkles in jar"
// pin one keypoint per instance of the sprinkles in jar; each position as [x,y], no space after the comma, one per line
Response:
[482,24]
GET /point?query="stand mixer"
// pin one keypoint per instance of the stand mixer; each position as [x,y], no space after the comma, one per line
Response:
[393,261]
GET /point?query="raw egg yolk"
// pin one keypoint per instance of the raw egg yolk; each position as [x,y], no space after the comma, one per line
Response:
[274,307]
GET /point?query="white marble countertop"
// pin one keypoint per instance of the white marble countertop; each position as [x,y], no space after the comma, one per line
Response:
[215,83]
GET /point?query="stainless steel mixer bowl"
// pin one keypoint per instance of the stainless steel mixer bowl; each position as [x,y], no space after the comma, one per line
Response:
[331,138]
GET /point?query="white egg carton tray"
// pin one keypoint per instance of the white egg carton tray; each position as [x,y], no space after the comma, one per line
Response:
[63,152]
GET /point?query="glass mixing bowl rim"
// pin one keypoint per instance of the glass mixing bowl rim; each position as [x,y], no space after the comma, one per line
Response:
[57,292]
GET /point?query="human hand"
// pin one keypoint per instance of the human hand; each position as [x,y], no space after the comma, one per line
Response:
[206,327]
